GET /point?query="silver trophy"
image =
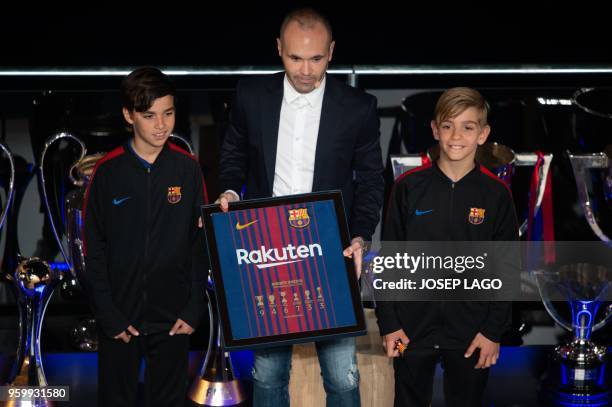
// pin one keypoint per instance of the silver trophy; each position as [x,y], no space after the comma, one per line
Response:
[83,336]
[596,102]
[583,166]
[585,288]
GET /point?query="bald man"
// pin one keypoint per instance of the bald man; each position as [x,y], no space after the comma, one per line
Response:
[301,131]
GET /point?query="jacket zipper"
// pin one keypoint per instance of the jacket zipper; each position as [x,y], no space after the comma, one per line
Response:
[450,229]
[146,251]
[452,199]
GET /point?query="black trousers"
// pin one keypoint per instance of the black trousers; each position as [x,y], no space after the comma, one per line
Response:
[166,370]
[464,386]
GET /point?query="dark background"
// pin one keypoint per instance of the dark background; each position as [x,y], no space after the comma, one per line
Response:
[366,33]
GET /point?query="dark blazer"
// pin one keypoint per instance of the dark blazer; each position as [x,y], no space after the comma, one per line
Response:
[348,155]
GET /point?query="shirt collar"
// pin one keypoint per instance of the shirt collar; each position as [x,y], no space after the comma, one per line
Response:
[314,98]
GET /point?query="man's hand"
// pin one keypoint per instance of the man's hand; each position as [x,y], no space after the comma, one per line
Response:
[225,198]
[126,335]
[181,327]
[356,251]
[489,351]
[390,339]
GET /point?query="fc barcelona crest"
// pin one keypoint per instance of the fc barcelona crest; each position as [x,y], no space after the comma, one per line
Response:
[476,216]
[174,194]
[298,218]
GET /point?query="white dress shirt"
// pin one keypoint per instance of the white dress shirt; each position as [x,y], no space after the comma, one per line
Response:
[298,131]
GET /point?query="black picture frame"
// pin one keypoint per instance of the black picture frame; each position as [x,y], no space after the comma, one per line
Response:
[230,340]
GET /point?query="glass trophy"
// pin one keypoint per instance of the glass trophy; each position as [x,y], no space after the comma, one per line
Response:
[585,290]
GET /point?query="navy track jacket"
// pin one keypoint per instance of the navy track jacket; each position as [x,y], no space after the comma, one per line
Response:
[144,253]
[425,205]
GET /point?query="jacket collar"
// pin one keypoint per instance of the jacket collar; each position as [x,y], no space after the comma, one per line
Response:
[466,178]
[141,161]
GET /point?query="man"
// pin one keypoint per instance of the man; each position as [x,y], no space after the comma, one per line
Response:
[144,251]
[297,132]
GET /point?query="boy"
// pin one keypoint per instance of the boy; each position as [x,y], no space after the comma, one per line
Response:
[144,250]
[436,202]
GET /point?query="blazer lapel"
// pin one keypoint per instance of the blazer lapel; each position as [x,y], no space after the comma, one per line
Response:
[330,115]
[272,103]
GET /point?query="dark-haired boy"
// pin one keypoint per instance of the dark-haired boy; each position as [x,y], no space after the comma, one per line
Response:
[144,251]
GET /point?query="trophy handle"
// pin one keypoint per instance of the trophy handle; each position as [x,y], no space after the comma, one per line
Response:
[608,316]
[11,187]
[50,141]
[547,303]
[551,311]
[580,164]
[366,285]
[523,227]
[211,328]
[185,142]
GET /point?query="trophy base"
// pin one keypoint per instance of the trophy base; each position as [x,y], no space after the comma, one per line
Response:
[575,384]
[559,395]
[209,393]
[27,403]
[561,398]
[24,378]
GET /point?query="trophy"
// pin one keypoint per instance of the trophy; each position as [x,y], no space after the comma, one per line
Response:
[35,282]
[585,288]
[582,165]
[216,384]
[84,335]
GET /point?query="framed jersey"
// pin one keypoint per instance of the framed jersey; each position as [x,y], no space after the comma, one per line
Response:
[279,273]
